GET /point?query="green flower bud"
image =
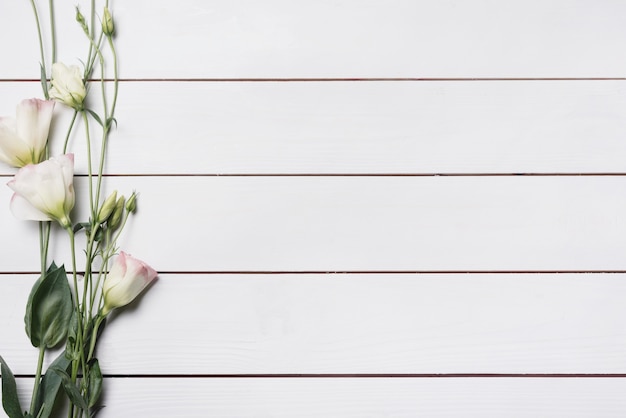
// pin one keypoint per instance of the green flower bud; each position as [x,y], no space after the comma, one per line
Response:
[107,207]
[131,204]
[116,217]
[107,23]
[81,21]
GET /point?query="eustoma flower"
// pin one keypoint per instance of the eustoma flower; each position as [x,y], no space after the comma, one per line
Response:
[127,278]
[67,85]
[45,191]
[23,138]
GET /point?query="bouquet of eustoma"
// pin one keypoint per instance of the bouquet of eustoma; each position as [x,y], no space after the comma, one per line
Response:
[69,308]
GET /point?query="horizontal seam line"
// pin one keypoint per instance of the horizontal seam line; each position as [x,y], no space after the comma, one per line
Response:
[362,272]
[529,174]
[338,79]
[357,375]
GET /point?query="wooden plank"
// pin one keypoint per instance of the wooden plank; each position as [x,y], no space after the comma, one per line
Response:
[354,324]
[518,223]
[358,127]
[351,38]
[341,398]
[379,397]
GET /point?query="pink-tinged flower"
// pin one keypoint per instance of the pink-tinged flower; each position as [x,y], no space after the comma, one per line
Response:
[45,191]
[67,85]
[23,138]
[127,278]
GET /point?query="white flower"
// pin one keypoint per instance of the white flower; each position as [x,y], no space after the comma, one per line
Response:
[45,191]
[67,85]
[23,138]
[127,278]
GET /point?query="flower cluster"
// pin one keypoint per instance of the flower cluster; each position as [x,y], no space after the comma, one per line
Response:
[43,191]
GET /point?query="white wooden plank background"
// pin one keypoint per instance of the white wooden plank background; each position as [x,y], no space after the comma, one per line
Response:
[327,191]
[338,398]
[346,39]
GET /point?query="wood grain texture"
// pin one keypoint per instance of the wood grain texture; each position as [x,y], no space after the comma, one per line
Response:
[354,324]
[289,160]
[518,223]
[357,127]
[341,398]
[345,39]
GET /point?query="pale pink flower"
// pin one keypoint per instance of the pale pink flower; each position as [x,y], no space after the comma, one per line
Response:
[127,278]
[23,138]
[45,191]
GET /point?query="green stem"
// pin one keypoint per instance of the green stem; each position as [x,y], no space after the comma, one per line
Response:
[79,306]
[115,74]
[44,239]
[41,52]
[92,205]
[33,401]
[69,131]
[80,361]
[94,336]
[53,31]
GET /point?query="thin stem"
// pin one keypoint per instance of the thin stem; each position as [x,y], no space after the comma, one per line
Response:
[33,401]
[78,304]
[94,336]
[42,247]
[53,35]
[41,51]
[115,74]
[69,131]
[92,206]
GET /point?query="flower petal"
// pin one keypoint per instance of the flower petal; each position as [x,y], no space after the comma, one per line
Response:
[13,150]
[23,210]
[48,187]
[33,117]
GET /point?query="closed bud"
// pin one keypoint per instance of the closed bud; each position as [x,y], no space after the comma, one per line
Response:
[131,204]
[116,217]
[127,278]
[67,85]
[81,21]
[107,23]
[107,207]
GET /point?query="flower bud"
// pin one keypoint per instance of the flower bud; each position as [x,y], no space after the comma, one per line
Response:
[116,217]
[131,204]
[107,23]
[81,21]
[127,278]
[107,207]
[67,85]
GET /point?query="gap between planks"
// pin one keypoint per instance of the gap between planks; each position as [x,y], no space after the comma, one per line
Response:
[359,272]
[335,79]
[364,376]
[529,174]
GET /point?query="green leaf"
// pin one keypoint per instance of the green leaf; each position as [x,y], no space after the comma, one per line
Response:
[72,348]
[70,388]
[95,116]
[110,122]
[49,308]
[50,386]
[29,314]
[10,401]
[95,382]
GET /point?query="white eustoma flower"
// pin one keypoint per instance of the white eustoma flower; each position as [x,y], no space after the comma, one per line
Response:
[23,138]
[45,191]
[67,85]
[127,278]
